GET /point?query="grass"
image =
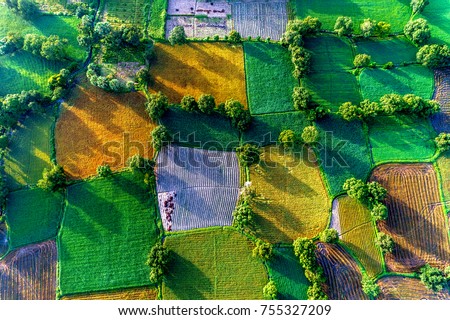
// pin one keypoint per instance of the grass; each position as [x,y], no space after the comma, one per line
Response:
[157,21]
[108,229]
[400,50]
[265,129]
[29,151]
[197,68]
[417,80]
[33,216]
[292,200]
[126,12]
[201,130]
[289,276]
[401,138]
[269,78]
[213,264]
[343,152]
[96,127]
[396,13]
[437,13]
[358,234]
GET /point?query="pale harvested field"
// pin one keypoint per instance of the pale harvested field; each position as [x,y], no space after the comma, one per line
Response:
[125,294]
[404,288]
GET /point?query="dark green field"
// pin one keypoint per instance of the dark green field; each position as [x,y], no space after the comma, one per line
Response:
[108,229]
[33,216]
[157,21]
[329,54]
[269,78]
[400,50]
[437,13]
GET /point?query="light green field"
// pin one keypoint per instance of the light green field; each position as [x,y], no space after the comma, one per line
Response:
[437,13]
[417,80]
[269,78]
[157,21]
[29,151]
[213,264]
[444,168]
[401,138]
[396,50]
[108,229]
[289,276]
[395,12]
[33,216]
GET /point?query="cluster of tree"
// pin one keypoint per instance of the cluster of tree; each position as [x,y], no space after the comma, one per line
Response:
[234,37]
[302,99]
[109,82]
[11,43]
[240,116]
[59,83]
[305,249]
[160,137]
[13,106]
[418,6]
[50,48]
[371,193]
[329,236]
[390,104]
[371,28]
[434,55]
[53,180]
[262,250]
[243,215]
[28,9]
[3,187]
[248,154]
[362,60]
[140,165]
[417,31]
[117,37]
[270,291]
[157,105]
[288,139]
[434,278]
[370,287]
[177,36]
[442,142]
[86,29]
[104,171]
[385,242]
[158,260]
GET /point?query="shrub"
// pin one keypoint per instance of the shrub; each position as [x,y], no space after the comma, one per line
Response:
[288,139]
[206,103]
[270,291]
[160,137]
[442,141]
[433,278]
[104,171]
[370,287]
[234,37]
[53,180]
[385,242]
[434,55]
[310,135]
[361,60]
[329,236]
[177,36]
[189,104]
[368,28]
[379,212]
[240,117]
[343,26]
[158,260]
[157,105]
[262,250]
[388,65]
[248,154]
[138,164]
[417,31]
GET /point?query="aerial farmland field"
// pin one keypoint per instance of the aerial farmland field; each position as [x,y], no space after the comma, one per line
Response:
[225,150]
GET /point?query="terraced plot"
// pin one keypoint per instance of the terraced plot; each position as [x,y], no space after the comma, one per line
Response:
[108,229]
[441,120]
[416,220]
[400,50]
[292,200]
[204,267]
[29,151]
[144,293]
[203,186]
[405,288]
[29,273]
[342,273]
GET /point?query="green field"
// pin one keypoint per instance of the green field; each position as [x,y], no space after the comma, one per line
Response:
[33,216]
[201,130]
[401,138]
[289,277]
[265,129]
[157,21]
[29,151]
[417,80]
[400,50]
[395,12]
[108,228]
[437,13]
[269,77]
[343,151]
[329,54]
[443,164]
[213,264]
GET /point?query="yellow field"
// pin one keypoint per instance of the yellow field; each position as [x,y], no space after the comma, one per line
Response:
[358,233]
[196,68]
[126,294]
[444,168]
[292,201]
[97,127]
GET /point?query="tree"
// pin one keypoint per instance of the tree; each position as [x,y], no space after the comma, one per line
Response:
[302,98]
[375,193]
[392,103]
[379,212]
[206,103]
[143,78]
[104,171]
[158,260]
[60,79]
[417,31]
[362,60]
[160,137]
[270,291]
[189,104]
[368,28]
[310,135]
[301,58]
[350,112]
[329,236]
[369,109]
[385,242]
[177,36]
[240,117]
[383,29]
[315,292]
[297,29]
[418,6]
[370,287]
[248,154]
[356,189]
[27,9]
[442,141]
[288,139]
[53,180]
[343,26]
[304,249]
[11,43]
[130,35]
[138,164]
[33,43]
[54,48]
[434,55]
[157,105]
[262,250]
[433,278]
[244,217]
[234,37]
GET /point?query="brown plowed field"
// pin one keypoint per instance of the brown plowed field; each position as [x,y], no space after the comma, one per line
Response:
[416,219]
[29,273]
[126,294]
[404,288]
[341,271]
[98,127]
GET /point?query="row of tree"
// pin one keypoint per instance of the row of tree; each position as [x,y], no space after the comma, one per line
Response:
[28,9]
